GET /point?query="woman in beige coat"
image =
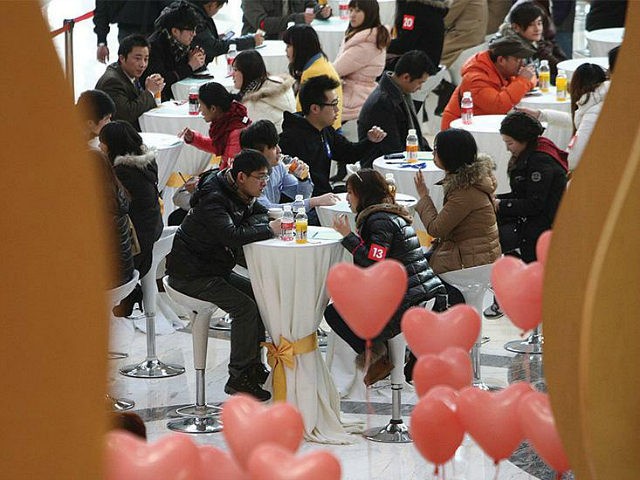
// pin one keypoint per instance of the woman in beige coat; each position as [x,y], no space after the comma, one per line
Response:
[465,230]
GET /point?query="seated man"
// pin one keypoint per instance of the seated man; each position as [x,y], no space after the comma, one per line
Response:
[171,55]
[95,108]
[390,105]
[309,134]
[497,79]
[224,216]
[270,16]
[121,81]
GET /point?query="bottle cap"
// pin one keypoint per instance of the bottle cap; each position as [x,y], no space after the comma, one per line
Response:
[299,198]
[466,94]
[233,47]
[287,208]
[389,176]
[301,210]
[412,131]
[544,63]
[562,72]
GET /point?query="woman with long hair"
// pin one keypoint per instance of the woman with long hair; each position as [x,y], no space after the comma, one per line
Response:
[307,60]
[383,227]
[265,96]
[227,118]
[361,56]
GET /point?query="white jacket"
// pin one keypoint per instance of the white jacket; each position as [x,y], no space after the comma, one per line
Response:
[269,101]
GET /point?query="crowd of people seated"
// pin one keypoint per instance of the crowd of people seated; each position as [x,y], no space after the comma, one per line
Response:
[301,115]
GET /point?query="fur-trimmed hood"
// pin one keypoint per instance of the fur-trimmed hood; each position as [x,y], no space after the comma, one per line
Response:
[383,207]
[433,3]
[479,174]
[272,90]
[138,161]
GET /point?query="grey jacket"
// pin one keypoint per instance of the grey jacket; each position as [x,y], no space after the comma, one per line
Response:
[267,15]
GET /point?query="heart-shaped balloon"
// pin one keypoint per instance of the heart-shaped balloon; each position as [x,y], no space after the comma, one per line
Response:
[538,425]
[217,464]
[542,247]
[436,430]
[446,394]
[431,332]
[451,367]
[491,418]
[248,424]
[173,457]
[385,284]
[518,289]
[272,462]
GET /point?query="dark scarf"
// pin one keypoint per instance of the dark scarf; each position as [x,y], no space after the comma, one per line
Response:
[236,118]
[252,87]
[234,186]
[178,50]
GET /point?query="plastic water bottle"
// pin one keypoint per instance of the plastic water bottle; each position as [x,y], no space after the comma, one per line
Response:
[391,182]
[561,86]
[466,108]
[298,203]
[231,56]
[344,9]
[193,101]
[287,224]
[301,226]
[544,76]
[412,146]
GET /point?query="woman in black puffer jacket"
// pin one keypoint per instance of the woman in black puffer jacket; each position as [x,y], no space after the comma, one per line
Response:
[384,232]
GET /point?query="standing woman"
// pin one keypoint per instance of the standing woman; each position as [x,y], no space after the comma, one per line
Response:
[382,225]
[361,56]
[265,96]
[307,60]
[227,118]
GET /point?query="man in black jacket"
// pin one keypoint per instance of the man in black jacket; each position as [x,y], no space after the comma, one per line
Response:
[390,105]
[309,134]
[272,16]
[224,216]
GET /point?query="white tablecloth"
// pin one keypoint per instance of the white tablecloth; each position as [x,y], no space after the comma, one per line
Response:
[330,32]
[601,41]
[289,285]
[561,136]
[181,89]
[387,10]
[169,148]
[570,66]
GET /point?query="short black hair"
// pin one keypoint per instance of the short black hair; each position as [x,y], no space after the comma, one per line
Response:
[613,57]
[525,13]
[313,91]
[212,93]
[95,105]
[259,135]
[121,139]
[128,43]
[455,148]
[248,161]
[178,15]
[416,63]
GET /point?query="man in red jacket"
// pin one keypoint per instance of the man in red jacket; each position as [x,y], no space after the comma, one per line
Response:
[497,79]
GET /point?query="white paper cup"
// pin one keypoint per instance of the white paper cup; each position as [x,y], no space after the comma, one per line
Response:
[274,213]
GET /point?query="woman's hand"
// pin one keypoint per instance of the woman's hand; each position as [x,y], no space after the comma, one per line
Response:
[187,134]
[341,225]
[421,187]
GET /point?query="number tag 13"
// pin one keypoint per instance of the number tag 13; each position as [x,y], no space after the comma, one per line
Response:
[377,252]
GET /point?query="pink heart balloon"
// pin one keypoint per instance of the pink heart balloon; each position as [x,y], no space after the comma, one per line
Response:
[538,425]
[436,430]
[518,288]
[272,462]
[451,367]
[430,332]
[173,457]
[542,247]
[248,424]
[446,394]
[217,464]
[385,283]
[491,418]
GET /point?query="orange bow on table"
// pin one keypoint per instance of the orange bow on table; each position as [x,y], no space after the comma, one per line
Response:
[282,355]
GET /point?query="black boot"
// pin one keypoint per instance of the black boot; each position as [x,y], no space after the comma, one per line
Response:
[246,383]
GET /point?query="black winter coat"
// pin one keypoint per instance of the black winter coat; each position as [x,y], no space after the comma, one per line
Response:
[163,59]
[220,222]
[389,226]
[317,148]
[137,15]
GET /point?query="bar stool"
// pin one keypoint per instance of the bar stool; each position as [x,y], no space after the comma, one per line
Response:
[152,367]
[200,417]
[395,431]
[116,295]
[473,283]
[532,345]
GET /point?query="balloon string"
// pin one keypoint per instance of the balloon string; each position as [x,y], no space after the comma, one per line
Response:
[497,471]
[367,362]
[527,367]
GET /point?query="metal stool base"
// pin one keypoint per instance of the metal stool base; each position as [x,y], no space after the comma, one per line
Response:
[223,324]
[117,355]
[483,386]
[152,369]
[393,432]
[200,410]
[195,425]
[121,404]
[524,346]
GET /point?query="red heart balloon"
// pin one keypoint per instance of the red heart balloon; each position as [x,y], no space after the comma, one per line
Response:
[451,367]
[272,462]
[248,424]
[491,418]
[436,430]
[431,332]
[542,247]
[173,457]
[518,288]
[538,425]
[446,394]
[217,464]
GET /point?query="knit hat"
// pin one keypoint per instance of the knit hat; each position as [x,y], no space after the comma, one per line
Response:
[521,127]
[511,46]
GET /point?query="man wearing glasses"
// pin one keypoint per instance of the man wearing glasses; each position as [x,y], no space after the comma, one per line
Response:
[309,134]
[171,55]
[224,216]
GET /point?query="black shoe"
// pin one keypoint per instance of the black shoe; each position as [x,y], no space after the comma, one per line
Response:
[243,383]
[260,373]
[126,306]
[408,367]
[493,310]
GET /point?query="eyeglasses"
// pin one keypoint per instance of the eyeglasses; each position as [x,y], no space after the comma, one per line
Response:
[261,178]
[333,104]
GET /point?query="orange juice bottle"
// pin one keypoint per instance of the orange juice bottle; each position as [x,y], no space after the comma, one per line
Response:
[561,86]
[412,146]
